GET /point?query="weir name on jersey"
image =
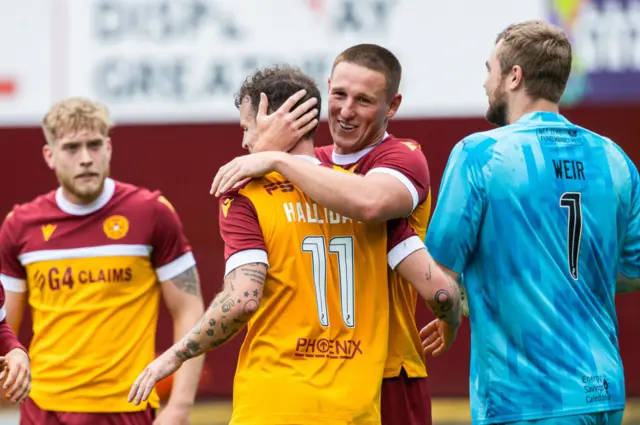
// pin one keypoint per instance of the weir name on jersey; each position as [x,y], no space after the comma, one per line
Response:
[57,278]
[345,349]
[297,212]
[568,169]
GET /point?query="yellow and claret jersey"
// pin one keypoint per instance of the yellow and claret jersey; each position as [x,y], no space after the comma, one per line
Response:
[315,350]
[403,159]
[92,276]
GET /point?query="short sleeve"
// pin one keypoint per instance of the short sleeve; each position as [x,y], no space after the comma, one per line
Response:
[240,230]
[12,273]
[171,253]
[453,231]
[629,264]
[405,160]
[402,241]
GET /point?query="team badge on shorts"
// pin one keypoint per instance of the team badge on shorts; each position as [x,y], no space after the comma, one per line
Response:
[116,227]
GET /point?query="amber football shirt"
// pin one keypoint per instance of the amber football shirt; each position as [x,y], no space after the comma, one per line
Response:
[403,159]
[315,350]
[92,276]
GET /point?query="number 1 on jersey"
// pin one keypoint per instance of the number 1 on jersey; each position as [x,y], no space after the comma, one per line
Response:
[342,246]
[573,202]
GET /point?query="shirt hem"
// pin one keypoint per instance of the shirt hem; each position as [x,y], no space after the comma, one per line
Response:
[91,406]
[549,415]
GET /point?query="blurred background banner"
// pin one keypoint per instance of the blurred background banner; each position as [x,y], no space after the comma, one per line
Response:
[177,61]
[25,61]
[605,35]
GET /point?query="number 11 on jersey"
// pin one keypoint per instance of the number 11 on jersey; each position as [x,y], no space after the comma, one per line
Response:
[342,246]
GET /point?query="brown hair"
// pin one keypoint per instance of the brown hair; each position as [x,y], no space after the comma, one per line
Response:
[376,58]
[75,114]
[279,83]
[543,51]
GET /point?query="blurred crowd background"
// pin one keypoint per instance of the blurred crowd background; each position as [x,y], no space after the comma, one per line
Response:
[168,70]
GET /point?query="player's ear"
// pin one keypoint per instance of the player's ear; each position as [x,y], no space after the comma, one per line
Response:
[47,154]
[516,77]
[396,100]
[329,84]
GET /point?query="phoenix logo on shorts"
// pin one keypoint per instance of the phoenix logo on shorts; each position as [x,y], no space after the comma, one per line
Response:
[345,349]
[285,186]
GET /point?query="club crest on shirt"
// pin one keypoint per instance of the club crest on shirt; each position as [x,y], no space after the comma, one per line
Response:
[116,227]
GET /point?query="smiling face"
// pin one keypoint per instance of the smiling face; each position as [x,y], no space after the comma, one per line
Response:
[81,162]
[359,108]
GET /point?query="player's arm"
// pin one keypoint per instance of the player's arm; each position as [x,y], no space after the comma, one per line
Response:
[391,189]
[439,290]
[180,286]
[409,258]
[377,196]
[15,364]
[245,272]
[12,274]
[453,232]
[227,314]
[629,264]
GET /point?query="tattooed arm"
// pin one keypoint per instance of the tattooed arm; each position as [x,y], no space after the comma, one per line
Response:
[183,299]
[228,313]
[439,290]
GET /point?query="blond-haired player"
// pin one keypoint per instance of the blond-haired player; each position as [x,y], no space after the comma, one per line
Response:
[91,259]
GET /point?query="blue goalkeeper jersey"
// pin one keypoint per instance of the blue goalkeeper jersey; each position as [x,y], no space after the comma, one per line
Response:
[538,217]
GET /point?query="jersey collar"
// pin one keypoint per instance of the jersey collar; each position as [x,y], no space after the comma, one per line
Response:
[350,158]
[542,117]
[74,209]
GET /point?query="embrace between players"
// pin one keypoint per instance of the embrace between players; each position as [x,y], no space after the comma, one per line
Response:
[325,259]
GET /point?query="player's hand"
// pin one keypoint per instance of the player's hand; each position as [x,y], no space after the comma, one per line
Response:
[241,169]
[437,337]
[173,414]
[280,130]
[160,368]
[17,371]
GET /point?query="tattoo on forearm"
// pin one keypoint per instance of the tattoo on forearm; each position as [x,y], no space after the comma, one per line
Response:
[227,305]
[227,314]
[443,299]
[250,307]
[256,276]
[188,281]
[427,275]
[446,302]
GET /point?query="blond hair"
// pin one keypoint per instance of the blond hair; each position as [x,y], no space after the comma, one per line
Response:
[543,51]
[75,114]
